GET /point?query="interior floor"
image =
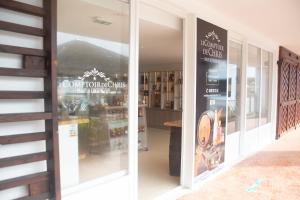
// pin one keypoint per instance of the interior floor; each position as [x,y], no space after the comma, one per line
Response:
[154,178]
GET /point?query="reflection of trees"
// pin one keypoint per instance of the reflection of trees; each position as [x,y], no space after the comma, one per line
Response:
[252,98]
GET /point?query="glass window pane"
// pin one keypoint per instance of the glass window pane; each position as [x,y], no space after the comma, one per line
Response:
[253,87]
[234,87]
[93,50]
[266,84]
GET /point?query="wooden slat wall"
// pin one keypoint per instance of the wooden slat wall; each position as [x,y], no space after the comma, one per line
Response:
[36,63]
[288,116]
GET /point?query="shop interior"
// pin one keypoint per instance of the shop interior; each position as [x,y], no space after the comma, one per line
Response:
[93,94]
[160,90]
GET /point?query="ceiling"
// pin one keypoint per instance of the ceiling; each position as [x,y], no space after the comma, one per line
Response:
[159,45]
[275,19]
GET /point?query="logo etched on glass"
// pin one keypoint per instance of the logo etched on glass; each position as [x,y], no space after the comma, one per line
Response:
[94,72]
[93,81]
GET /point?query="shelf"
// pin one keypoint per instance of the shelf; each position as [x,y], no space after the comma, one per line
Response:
[22,7]
[21,50]
[21,95]
[117,124]
[16,117]
[36,197]
[18,28]
[24,180]
[21,138]
[23,159]
[35,73]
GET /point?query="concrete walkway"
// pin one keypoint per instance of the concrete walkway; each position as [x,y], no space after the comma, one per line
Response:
[272,174]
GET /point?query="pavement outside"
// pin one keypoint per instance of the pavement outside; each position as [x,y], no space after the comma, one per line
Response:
[271,174]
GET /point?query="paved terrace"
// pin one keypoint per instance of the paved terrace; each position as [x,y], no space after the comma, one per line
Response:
[271,174]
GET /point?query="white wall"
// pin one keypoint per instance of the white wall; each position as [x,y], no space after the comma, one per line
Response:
[13,106]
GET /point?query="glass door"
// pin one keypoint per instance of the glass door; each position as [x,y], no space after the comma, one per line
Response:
[93,44]
[234,104]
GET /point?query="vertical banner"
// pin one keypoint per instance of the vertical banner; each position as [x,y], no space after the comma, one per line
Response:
[211,93]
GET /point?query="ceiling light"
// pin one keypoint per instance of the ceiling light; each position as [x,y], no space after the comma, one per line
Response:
[100,20]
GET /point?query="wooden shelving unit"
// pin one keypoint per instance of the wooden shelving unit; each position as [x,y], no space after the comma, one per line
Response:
[35,63]
[114,121]
[161,89]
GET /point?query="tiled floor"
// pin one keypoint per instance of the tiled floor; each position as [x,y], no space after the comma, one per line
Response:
[272,174]
[154,178]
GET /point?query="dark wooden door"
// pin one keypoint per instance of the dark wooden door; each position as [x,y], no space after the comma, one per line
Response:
[37,63]
[288,91]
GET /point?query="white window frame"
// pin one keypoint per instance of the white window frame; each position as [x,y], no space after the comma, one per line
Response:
[270,126]
[232,138]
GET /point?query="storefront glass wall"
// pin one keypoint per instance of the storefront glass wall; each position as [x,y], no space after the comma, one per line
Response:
[253,87]
[259,87]
[93,57]
[234,87]
[266,87]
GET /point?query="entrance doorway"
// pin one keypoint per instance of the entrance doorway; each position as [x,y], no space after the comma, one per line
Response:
[160,101]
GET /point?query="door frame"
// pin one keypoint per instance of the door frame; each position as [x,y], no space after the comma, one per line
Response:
[232,156]
[186,178]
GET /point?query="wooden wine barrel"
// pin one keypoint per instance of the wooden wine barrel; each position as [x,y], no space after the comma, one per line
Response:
[205,128]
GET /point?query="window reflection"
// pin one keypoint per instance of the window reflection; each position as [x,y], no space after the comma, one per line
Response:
[92,88]
[234,86]
[253,87]
[266,90]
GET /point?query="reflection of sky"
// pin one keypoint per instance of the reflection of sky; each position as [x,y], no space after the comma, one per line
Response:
[117,47]
[251,71]
[220,70]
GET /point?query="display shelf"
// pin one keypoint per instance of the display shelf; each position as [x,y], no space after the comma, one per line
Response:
[161,89]
[114,120]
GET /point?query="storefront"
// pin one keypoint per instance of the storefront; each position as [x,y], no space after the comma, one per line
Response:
[114,103]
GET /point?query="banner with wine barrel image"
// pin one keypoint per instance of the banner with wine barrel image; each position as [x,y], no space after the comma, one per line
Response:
[211,93]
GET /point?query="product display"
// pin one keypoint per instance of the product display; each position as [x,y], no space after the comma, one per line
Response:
[161,89]
[115,124]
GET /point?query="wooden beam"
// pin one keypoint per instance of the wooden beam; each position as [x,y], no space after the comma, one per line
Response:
[22,7]
[22,95]
[18,28]
[39,73]
[21,50]
[285,53]
[36,197]
[24,180]
[23,159]
[16,117]
[21,138]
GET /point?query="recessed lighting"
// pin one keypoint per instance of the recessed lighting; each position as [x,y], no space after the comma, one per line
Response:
[101,20]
